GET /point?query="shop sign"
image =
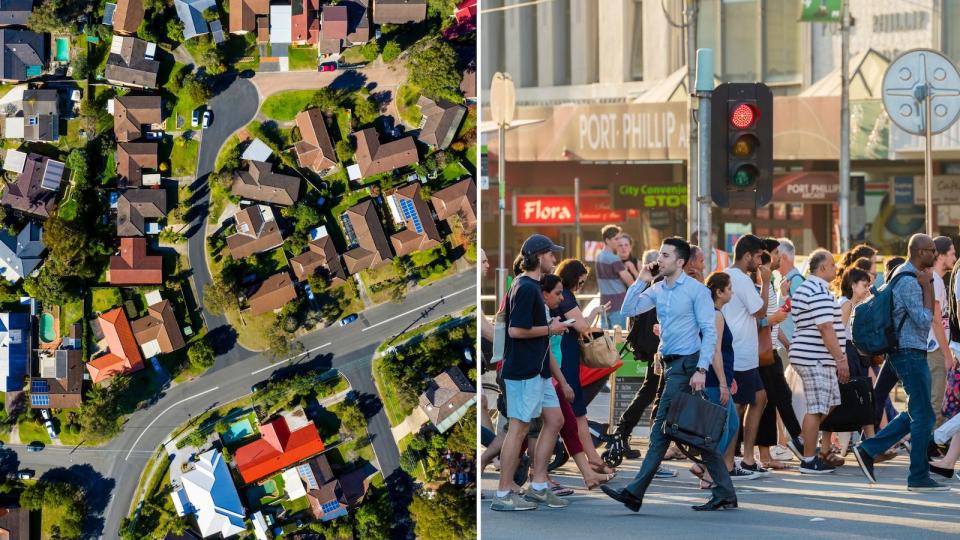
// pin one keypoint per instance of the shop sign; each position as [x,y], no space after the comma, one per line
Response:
[811,187]
[903,190]
[646,196]
[561,210]
[946,189]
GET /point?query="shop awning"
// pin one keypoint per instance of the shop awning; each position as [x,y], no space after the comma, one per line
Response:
[866,78]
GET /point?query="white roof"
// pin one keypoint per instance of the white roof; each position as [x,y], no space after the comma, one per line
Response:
[13,127]
[14,161]
[52,175]
[353,171]
[259,525]
[152,179]
[211,495]
[153,298]
[257,150]
[319,232]
[394,211]
[110,106]
[293,484]
[116,46]
[280,21]
[150,51]
[150,349]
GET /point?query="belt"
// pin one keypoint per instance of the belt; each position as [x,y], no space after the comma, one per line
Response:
[672,357]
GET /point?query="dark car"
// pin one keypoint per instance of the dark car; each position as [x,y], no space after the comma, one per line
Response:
[258,387]
[348,319]
[35,446]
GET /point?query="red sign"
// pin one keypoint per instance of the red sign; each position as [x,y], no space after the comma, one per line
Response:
[560,210]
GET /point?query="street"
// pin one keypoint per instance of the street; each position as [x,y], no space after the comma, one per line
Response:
[115,468]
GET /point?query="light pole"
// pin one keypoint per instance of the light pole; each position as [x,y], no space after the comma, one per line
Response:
[503,102]
[844,194]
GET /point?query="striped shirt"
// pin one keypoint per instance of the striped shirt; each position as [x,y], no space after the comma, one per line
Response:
[612,288]
[772,307]
[814,304]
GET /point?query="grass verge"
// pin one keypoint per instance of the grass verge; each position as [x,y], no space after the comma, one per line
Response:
[284,106]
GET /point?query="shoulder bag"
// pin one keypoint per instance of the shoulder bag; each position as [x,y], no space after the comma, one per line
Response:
[597,349]
[693,420]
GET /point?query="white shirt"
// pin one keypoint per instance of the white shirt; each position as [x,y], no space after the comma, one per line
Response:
[940,293]
[739,316]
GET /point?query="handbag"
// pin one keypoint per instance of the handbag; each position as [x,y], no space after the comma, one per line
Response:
[695,421]
[500,322]
[951,396]
[855,409]
[597,349]
[766,346]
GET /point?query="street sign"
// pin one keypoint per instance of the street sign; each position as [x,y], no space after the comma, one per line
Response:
[904,91]
[921,92]
[503,100]
[821,11]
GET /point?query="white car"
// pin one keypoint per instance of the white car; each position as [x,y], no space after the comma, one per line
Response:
[50,431]
[45,413]
[206,119]
[25,475]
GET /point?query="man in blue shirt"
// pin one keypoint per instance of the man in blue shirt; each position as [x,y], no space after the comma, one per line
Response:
[688,337]
[913,301]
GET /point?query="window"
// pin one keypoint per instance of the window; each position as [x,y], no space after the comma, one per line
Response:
[951,39]
[781,39]
[740,40]
[636,51]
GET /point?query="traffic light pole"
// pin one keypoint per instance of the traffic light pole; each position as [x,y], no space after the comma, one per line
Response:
[844,128]
[704,87]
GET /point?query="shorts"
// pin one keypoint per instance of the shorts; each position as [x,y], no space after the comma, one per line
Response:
[748,384]
[527,398]
[821,389]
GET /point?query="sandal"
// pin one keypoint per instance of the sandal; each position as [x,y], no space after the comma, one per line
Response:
[601,468]
[673,455]
[561,491]
[832,459]
[593,485]
[707,485]
[697,471]
[776,465]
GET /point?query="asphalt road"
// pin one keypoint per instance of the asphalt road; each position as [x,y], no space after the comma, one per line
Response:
[115,468]
[233,107]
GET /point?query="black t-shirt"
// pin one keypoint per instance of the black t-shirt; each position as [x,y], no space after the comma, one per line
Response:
[526,358]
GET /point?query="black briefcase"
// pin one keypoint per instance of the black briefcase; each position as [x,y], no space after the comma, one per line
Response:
[855,409]
[695,421]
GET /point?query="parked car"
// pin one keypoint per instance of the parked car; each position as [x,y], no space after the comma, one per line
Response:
[309,291]
[207,118]
[196,117]
[153,135]
[25,474]
[348,319]
[329,66]
[35,446]
[45,413]
[258,387]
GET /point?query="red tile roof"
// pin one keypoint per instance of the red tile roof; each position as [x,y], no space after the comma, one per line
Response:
[124,356]
[133,266]
[277,449]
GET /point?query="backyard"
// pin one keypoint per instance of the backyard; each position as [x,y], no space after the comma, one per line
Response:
[70,313]
[104,298]
[284,106]
[183,158]
[303,58]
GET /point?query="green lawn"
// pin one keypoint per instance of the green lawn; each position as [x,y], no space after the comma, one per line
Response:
[50,516]
[253,334]
[295,506]
[388,395]
[225,150]
[453,171]
[284,106]
[67,439]
[183,158]
[303,58]
[372,276]
[407,96]
[68,210]
[70,313]
[73,139]
[353,55]
[30,431]
[105,298]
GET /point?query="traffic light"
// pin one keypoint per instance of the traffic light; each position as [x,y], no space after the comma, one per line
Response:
[741,145]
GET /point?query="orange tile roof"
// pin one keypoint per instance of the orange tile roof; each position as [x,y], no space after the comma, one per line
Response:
[277,449]
[124,356]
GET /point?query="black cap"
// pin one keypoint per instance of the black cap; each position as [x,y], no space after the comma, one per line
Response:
[537,243]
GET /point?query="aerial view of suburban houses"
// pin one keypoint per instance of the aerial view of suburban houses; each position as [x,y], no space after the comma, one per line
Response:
[238,269]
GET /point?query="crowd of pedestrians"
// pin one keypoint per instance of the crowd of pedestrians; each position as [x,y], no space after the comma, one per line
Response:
[773,346]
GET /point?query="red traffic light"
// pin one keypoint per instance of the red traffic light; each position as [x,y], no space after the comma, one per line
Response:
[743,116]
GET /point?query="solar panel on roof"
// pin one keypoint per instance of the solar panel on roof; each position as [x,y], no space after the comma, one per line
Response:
[307,474]
[410,213]
[348,229]
[40,401]
[330,506]
[39,386]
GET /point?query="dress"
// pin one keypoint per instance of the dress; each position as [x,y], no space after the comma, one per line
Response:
[570,352]
[854,361]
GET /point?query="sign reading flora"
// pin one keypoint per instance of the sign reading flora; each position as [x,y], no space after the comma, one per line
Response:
[561,209]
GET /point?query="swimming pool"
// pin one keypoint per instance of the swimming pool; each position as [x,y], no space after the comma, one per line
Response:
[238,430]
[47,333]
[62,50]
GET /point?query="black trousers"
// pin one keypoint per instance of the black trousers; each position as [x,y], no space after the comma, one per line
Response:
[648,393]
[779,398]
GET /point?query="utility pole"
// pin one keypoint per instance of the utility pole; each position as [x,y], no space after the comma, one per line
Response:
[576,215]
[502,108]
[693,193]
[704,89]
[845,127]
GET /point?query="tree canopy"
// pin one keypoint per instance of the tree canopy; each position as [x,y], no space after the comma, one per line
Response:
[433,68]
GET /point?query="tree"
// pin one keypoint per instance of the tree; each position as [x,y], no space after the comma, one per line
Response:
[280,342]
[175,30]
[197,91]
[370,50]
[147,32]
[44,17]
[442,9]
[219,296]
[327,99]
[447,514]
[433,68]
[201,354]
[364,109]
[344,151]
[65,499]
[352,419]
[391,51]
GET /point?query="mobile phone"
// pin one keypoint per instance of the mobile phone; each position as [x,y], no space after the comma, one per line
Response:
[568,322]
[655,269]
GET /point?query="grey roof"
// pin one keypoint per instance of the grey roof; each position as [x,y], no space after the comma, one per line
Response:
[441,119]
[20,50]
[136,206]
[21,254]
[129,65]
[191,13]
[41,115]
[15,12]
[217,30]
[52,175]
[108,11]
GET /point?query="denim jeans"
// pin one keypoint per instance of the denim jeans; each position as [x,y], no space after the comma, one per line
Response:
[911,367]
[677,374]
[733,421]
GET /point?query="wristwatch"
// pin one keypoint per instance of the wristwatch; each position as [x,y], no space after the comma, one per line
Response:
[702,371]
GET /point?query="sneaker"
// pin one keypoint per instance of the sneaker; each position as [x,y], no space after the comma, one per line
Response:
[512,502]
[664,472]
[866,463]
[756,468]
[795,445]
[545,496]
[931,485]
[738,473]
[780,453]
[817,466]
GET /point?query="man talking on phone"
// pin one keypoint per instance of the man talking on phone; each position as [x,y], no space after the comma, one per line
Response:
[688,336]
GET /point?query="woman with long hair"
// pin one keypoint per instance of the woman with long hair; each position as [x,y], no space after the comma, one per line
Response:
[573,274]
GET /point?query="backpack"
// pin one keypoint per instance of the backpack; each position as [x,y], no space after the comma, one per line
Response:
[873,328]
